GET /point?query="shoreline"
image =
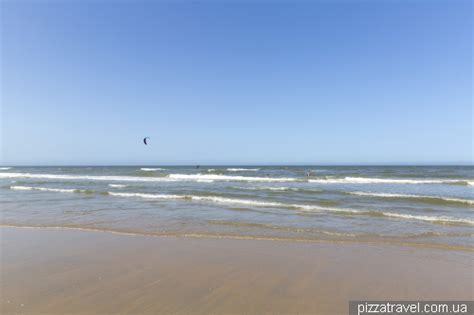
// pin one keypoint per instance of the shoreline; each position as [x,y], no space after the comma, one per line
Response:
[247,238]
[66,271]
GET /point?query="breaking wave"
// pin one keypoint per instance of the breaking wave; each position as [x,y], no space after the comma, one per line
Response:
[310,208]
[243,169]
[237,178]
[435,199]
[230,178]
[87,191]
[86,177]
[146,169]
[368,180]
[278,189]
[117,186]
[169,178]
[257,203]
[205,181]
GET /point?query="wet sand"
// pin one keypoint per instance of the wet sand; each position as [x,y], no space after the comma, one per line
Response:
[57,271]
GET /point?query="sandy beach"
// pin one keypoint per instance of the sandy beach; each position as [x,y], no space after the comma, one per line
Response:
[60,271]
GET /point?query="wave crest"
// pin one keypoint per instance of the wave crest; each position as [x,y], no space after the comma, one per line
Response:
[117,186]
[406,196]
[86,177]
[52,189]
[243,169]
[229,178]
[168,178]
[309,208]
[147,169]
[369,180]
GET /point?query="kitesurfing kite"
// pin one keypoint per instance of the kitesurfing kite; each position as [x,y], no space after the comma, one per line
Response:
[145,140]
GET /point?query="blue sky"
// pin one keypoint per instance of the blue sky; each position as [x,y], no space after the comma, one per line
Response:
[315,82]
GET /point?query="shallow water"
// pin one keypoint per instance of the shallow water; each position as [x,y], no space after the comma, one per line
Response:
[429,205]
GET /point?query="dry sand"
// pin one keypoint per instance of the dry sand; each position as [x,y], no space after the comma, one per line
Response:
[56,271]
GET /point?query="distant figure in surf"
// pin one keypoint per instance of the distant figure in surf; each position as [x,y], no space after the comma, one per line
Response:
[197,166]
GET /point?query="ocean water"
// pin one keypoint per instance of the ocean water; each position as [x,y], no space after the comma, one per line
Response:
[424,205]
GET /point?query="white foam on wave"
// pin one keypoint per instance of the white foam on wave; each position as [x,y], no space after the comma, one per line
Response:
[5,168]
[243,169]
[46,189]
[169,178]
[257,203]
[87,177]
[147,169]
[216,199]
[275,188]
[281,189]
[117,186]
[434,219]
[388,195]
[229,178]
[368,180]
[146,196]
[309,208]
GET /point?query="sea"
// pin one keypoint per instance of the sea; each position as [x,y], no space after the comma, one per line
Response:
[414,205]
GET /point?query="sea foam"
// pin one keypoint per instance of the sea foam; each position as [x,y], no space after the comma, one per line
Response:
[388,195]
[257,203]
[169,178]
[49,189]
[86,177]
[117,186]
[308,208]
[278,189]
[368,180]
[433,219]
[243,169]
[145,195]
[146,169]
[230,178]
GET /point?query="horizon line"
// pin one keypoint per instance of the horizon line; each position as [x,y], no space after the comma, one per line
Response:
[262,165]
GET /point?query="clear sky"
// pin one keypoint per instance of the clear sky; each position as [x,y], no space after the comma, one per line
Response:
[245,82]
